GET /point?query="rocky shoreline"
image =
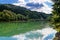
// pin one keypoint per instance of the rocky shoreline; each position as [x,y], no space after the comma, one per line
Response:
[57,36]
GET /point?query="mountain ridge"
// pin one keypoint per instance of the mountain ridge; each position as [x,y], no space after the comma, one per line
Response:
[25,12]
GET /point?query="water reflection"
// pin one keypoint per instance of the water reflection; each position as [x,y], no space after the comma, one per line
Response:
[7,38]
[49,37]
[43,34]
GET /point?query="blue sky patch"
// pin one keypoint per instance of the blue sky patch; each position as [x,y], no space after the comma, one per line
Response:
[8,1]
[34,5]
[26,0]
[49,4]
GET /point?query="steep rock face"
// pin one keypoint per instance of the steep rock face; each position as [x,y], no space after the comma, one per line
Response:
[57,36]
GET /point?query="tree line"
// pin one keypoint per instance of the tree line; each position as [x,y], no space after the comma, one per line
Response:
[11,16]
[10,12]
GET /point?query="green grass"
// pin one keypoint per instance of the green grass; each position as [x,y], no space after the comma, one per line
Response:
[13,28]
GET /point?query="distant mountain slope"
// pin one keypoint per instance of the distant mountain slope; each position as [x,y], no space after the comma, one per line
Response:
[24,11]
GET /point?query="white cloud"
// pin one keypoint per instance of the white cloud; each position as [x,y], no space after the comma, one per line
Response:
[20,3]
[37,1]
[45,8]
[40,1]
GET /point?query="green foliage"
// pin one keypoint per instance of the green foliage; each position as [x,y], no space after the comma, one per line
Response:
[10,16]
[21,17]
[16,13]
[56,18]
[56,14]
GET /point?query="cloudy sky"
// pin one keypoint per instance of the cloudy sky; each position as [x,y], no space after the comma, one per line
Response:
[34,5]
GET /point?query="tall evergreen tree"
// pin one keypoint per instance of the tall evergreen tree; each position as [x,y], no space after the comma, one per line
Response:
[56,18]
[56,14]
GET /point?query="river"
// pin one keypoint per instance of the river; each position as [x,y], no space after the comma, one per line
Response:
[46,33]
[43,34]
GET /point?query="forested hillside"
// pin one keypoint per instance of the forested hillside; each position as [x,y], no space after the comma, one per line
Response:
[10,12]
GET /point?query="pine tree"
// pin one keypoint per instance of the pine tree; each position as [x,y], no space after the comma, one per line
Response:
[56,14]
[56,18]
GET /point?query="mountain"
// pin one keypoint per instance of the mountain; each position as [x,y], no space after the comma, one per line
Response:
[25,12]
